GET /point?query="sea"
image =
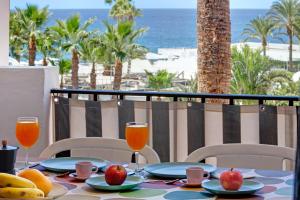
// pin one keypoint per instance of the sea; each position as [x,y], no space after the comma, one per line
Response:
[167,28]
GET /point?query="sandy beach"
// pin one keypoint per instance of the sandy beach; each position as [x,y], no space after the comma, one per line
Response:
[181,61]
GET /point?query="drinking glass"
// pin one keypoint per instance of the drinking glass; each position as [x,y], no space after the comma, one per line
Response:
[137,137]
[27,133]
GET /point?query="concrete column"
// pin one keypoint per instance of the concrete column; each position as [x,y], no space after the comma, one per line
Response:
[25,91]
[4,32]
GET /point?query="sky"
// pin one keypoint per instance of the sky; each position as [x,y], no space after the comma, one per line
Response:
[64,4]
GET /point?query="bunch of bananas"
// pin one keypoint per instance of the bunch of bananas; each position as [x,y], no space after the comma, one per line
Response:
[12,186]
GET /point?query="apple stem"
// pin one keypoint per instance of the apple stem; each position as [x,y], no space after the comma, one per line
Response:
[231,169]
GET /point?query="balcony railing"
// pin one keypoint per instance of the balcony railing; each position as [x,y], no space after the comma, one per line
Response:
[177,96]
[179,122]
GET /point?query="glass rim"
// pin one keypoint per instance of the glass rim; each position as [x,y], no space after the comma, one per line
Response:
[136,123]
[31,119]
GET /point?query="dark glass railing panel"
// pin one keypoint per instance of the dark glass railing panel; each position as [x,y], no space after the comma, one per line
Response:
[175,95]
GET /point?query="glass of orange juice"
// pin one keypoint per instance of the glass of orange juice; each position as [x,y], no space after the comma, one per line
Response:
[137,137]
[27,133]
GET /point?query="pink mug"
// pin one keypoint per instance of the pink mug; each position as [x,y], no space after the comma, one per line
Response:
[195,175]
[85,169]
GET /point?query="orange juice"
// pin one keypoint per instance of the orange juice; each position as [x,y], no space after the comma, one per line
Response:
[137,137]
[27,133]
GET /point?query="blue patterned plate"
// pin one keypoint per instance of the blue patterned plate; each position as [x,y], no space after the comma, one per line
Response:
[175,170]
[99,183]
[68,163]
[248,187]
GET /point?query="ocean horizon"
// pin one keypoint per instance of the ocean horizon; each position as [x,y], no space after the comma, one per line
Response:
[167,28]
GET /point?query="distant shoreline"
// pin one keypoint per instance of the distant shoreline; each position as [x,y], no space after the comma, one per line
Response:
[249,9]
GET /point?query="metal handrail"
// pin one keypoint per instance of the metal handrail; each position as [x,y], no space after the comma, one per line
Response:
[176,95]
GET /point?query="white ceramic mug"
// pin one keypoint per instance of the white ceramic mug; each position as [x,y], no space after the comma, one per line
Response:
[85,169]
[195,175]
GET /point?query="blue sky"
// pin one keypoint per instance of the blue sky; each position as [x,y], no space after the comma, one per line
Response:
[255,4]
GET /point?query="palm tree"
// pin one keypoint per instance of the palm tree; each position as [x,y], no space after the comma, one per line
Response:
[45,45]
[64,68]
[214,40]
[160,80]
[252,73]
[285,13]
[72,33]
[124,10]
[31,20]
[121,38]
[16,37]
[260,28]
[135,52]
[91,50]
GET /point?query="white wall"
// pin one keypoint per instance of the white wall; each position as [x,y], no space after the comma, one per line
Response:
[25,91]
[4,32]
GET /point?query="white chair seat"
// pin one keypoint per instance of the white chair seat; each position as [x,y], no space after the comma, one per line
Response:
[246,156]
[97,147]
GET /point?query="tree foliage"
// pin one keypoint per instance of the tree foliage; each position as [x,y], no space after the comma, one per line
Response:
[253,73]
[260,28]
[160,80]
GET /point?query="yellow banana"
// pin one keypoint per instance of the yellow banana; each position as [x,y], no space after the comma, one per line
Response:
[8,180]
[21,193]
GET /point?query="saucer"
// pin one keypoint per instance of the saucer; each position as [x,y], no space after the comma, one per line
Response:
[192,185]
[74,175]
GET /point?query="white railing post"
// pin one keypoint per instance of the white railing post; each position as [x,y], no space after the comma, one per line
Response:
[4,32]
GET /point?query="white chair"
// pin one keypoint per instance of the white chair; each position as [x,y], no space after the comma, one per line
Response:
[97,147]
[256,156]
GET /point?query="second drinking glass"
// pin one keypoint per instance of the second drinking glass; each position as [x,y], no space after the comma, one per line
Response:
[137,135]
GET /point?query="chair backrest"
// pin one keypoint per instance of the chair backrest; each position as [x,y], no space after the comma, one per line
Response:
[97,147]
[245,155]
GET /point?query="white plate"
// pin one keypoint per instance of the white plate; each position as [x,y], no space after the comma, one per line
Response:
[58,190]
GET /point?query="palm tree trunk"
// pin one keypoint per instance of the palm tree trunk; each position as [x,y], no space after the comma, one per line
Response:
[290,50]
[93,76]
[129,67]
[62,82]
[75,67]
[214,52]
[45,62]
[264,50]
[264,46]
[118,75]
[32,50]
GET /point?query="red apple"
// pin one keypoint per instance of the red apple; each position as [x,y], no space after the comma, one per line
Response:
[231,180]
[115,175]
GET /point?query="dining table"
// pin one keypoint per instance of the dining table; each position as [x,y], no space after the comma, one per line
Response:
[278,185]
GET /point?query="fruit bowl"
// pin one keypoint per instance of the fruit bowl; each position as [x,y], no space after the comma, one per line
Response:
[58,190]
[29,184]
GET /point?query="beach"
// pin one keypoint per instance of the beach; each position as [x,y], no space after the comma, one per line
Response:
[180,61]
